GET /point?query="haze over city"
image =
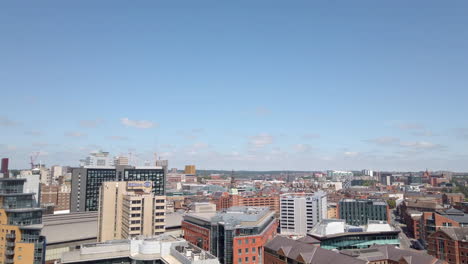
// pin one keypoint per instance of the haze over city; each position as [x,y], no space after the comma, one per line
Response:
[264,85]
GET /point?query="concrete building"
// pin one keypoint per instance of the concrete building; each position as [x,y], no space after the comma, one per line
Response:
[449,244]
[66,232]
[32,184]
[300,212]
[21,241]
[336,234]
[98,160]
[121,161]
[235,236]
[190,170]
[285,250]
[158,249]
[129,209]
[87,181]
[359,212]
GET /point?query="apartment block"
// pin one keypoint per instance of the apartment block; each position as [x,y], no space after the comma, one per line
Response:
[130,209]
[360,211]
[20,223]
[449,244]
[300,212]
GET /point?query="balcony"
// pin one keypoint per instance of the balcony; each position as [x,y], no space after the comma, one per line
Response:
[9,252]
[10,244]
[9,261]
[10,236]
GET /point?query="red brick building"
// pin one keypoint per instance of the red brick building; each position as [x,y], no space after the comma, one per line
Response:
[226,200]
[55,196]
[430,222]
[449,244]
[453,198]
[235,236]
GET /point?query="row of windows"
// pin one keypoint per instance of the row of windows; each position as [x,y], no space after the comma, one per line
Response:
[246,250]
[246,241]
[254,259]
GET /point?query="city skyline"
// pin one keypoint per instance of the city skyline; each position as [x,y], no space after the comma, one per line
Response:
[244,86]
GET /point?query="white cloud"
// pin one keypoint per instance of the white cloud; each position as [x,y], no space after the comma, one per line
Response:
[137,123]
[419,145]
[351,153]
[261,140]
[301,148]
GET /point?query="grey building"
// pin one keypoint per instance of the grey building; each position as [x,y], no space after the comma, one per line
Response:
[155,250]
[359,212]
[87,181]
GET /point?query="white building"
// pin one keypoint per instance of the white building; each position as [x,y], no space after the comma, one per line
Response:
[98,159]
[32,184]
[300,212]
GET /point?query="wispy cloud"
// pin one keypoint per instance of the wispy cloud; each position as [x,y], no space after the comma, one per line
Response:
[261,140]
[384,140]
[302,148]
[118,138]
[143,124]
[6,122]
[414,145]
[351,153]
[75,134]
[411,126]
[91,123]
[421,145]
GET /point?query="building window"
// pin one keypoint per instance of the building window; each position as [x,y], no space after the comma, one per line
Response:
[240,260]
[246,250]
[239,251]
[253,250]
[246,259]
[239,242]
[254,258]
[246,241]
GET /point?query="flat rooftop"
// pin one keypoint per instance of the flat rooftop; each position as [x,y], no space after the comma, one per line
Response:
[334,227]
[65,228]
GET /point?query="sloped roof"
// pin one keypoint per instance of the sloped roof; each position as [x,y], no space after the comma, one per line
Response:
[455,233]
[295,249]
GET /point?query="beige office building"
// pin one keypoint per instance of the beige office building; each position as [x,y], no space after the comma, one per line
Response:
[129,209]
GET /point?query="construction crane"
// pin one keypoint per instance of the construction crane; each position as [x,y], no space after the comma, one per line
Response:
[33,158]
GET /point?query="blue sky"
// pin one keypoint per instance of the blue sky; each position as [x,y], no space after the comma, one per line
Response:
[264,85]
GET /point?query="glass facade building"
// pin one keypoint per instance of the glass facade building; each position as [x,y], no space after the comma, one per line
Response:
[21,224]
[359,212]
[87,181]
